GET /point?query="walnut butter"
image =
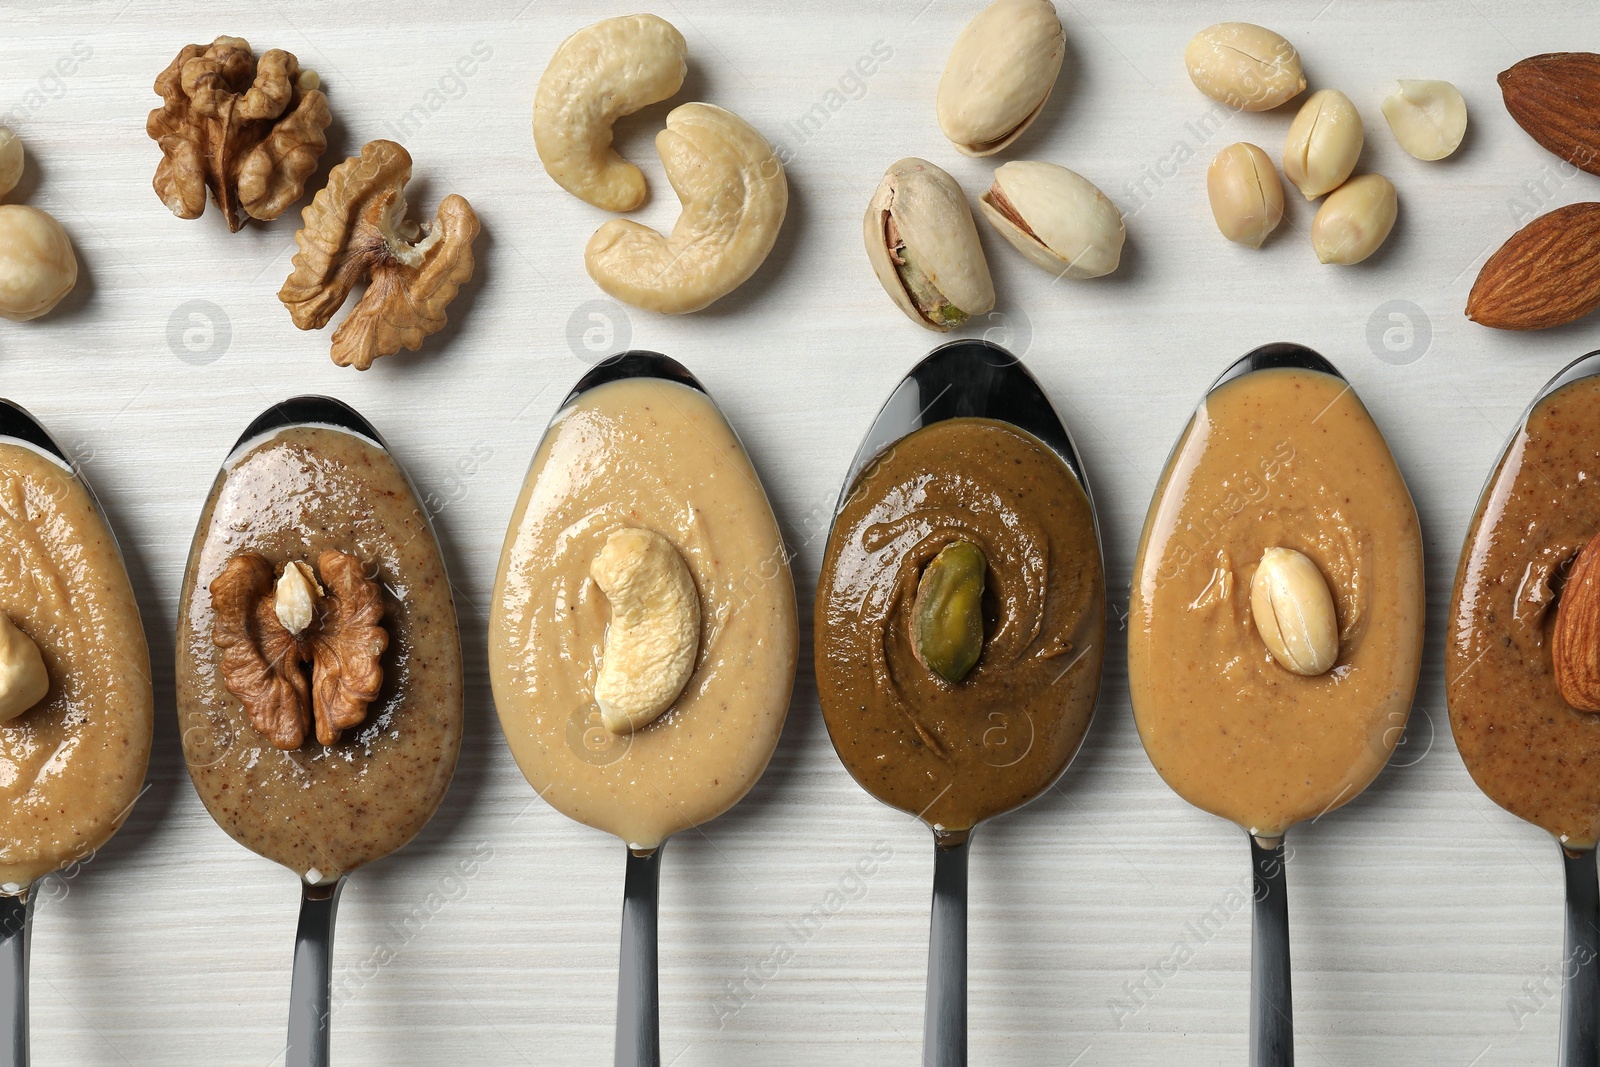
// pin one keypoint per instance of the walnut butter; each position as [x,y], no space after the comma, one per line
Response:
[1275,630]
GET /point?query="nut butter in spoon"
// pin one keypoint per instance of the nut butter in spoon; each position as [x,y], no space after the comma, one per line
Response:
[642,635]
[1275,633]
[960,621]
[318,666]
[1521,658]
[76,709]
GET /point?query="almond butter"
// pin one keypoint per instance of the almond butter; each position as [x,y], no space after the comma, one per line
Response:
[1556,99]
[1575,649]
[1547,274]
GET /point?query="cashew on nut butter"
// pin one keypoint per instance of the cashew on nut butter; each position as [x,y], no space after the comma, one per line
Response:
[1272,698]
[76,708]
[318,662]
[1520,690]
[642,633]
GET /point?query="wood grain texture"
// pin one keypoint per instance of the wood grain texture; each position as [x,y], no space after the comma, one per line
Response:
[1105,927]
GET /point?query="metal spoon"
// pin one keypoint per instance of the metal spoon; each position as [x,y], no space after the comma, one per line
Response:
[962,379]
[1580,987]
[311,982]
[638,1041]
[16,910]
[1271,998]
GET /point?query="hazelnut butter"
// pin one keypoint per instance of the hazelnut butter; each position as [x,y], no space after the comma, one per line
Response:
[642,454]
[956,753]
[324,810]
[72,764]
[1528,750]
[1280,458]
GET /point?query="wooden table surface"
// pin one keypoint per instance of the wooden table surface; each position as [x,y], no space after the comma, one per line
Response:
[1109,923]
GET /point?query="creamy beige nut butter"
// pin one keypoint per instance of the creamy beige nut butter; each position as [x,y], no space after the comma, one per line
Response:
[1275,459]
[71,764]
[323,810]
[634,458]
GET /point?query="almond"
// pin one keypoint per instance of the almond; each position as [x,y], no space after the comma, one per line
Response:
[1575,650]
[1547,274]
[1556,99]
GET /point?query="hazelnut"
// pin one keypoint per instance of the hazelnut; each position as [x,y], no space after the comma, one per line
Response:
[23,679]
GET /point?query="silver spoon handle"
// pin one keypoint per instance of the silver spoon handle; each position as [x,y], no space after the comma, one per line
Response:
[311,988]
[1580,971]
[638,1011]
[16,930]
[944,1019]
[1271,1002]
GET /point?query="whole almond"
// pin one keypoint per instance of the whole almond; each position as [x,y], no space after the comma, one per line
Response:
[1556,99]
[1575,647]
[1547,274]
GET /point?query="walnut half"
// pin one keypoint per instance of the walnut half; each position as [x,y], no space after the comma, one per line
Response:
[250,132]
[263,664]
[356,230]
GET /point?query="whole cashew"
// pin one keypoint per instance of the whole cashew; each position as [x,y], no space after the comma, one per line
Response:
[599,74]
[734,197]
[654,632]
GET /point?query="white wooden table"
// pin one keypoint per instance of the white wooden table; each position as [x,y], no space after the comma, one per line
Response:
[1426,920]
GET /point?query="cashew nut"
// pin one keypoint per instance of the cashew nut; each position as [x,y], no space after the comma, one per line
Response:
[655,628]
[23,679]
[599,74]
[734,197]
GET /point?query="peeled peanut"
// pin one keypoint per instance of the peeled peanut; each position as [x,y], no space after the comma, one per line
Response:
[654,634]
[1355,220]
[1244,66]
[1428,118]
[1324,143]
[1294,612]
[23,679]
[1246,195]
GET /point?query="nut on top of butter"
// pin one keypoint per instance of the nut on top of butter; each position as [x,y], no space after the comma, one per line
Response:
[1294,612]
[23,679]
[654,634]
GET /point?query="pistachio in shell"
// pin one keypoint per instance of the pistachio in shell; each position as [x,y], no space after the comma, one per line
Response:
[1055,217]
[947,615]
[924,246]
[999,74]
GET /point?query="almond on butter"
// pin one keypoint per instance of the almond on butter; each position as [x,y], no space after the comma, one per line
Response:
[1575,648]
[1556,99]
[1547,274]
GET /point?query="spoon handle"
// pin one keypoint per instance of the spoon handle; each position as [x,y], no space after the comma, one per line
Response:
[944,1020]
[311,988]
[1271,1003]
[638,1011]
[1580,972]
[16,930]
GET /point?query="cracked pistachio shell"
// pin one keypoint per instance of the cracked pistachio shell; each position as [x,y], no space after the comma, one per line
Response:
[999,74]
[1324,143]
[1354,220]
[1246,195]
[1244,66]
[944,278]
[1055,217]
